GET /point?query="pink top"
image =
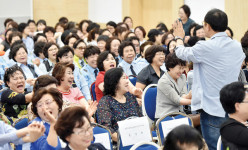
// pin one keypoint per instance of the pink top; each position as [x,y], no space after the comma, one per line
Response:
[74,95]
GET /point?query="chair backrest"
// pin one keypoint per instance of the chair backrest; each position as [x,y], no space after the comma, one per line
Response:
[145,146]
[136,129]
[149,101]
[219,144]
[102,135]
[92,91]
[133,79]
[165,124]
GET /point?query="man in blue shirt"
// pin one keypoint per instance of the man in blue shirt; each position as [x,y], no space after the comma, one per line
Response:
[90,70]
[129,65]
[217,62]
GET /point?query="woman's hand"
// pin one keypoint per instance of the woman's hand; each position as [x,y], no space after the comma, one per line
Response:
[49,116]
[139,100]
[35,131]
[178,29]
[92,108]
[189,95]
[137,92]
[36,61]
[30,81]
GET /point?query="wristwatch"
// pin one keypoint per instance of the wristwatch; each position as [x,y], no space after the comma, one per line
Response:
[178,37]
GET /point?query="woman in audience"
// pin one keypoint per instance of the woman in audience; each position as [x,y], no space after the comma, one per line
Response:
[129,21]
[13,37]
[140,33]
[79,46]
[50,51]
[14,99]
[152,73]
[92,36]
[41,25]
[162,27]
[184,13]
[184,137]
[234,132]
[106,61]
[71,39]
[9,134]
[171,47]
[46,105]
[199,32]
[101,42]
[112,45]
[128,35]
[117,104]
[141,60]
[83,27]
[167,37]
[19,54]
[74,128]
[120,32]
[32,27]
[65,55]
[5,45]
[106,32]
[63,72]
[172,88]
[44,81]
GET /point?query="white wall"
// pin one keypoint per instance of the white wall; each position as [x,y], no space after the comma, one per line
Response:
[19,10]
[103,11]
[199,8]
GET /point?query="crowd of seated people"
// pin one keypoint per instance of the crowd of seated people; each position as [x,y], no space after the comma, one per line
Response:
[47,73]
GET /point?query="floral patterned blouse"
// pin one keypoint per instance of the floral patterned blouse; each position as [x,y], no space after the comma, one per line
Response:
[110,111]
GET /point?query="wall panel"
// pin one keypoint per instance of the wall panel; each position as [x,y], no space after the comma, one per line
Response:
[52,10]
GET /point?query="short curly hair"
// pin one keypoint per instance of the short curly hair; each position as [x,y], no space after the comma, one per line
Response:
[68,119]
[59,70]
[123,45]
[10,72]
[15,48]
[111,80]
[57,96]
[47,46]
[172,60]
[151,52]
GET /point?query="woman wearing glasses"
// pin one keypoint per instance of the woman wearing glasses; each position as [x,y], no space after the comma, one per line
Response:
[74,128]
[78,59]
[46,105]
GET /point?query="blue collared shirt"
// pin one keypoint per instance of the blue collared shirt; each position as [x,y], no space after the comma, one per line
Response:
[217,62]
[81,82]
[29,74]
[126,67]
[89,74]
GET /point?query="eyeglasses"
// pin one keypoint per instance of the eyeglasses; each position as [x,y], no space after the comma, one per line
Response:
[81,48]
[244,102]
[83,132]
[47,103]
